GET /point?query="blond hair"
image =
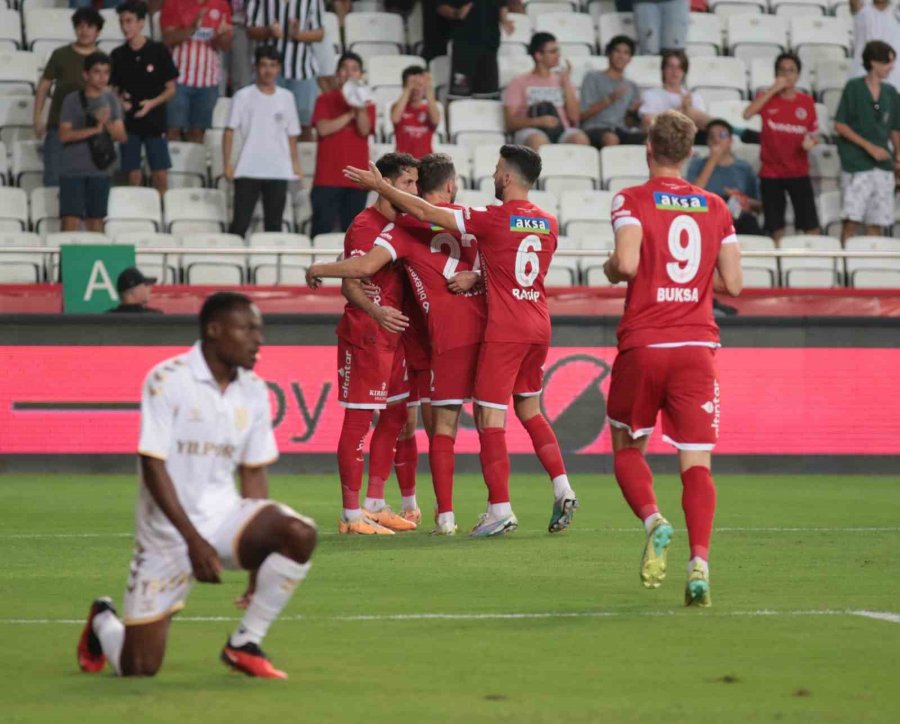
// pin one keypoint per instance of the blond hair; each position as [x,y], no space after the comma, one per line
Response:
[671,138]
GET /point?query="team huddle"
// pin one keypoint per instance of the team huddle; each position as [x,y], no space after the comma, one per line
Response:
[446,304]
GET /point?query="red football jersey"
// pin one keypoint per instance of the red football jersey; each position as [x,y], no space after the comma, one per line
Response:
[433,255]
[516,242]
[785,124]
[669,302]
[357,327]
[416,346]
[415,131]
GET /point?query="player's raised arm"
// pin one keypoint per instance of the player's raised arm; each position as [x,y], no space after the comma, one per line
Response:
[393,320]
[622,265]
[729,277]
[356,267]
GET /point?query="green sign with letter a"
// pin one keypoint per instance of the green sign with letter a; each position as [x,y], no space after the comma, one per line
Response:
[89,274]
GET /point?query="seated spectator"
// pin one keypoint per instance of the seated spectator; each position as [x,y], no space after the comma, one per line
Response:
[542,106]
[89,122]
[731,178]
[134,293]
[875,20]
[661,24]
[343,132]
[144,76]
[609,102]
[868,123]
[64,72]
[789,130]
[415,114]
[265,116]
[195,31]
[673,96]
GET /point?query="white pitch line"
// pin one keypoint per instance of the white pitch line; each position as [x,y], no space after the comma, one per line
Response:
[878,615]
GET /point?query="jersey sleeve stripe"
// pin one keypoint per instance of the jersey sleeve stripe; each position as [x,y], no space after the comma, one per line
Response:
[460,220]
[625,221]
[385,244]
[730,239]
[152,454]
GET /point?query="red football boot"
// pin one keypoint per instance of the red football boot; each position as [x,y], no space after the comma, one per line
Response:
[250,660]
[91,659]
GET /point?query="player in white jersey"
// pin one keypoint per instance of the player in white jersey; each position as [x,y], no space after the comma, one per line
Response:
[204,416]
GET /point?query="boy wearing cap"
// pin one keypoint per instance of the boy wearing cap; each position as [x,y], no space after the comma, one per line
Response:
[134,293]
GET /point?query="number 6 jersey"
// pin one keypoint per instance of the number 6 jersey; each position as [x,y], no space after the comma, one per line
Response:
[669,301]
[516,242]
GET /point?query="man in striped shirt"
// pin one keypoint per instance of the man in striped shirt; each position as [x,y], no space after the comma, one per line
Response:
[195,31]
[292,26]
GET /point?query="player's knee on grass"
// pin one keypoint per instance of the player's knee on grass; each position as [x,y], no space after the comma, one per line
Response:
[143,649]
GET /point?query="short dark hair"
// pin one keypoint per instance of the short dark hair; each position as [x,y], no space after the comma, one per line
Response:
[788,56]
[720,122]
[411,71]
[88,16]
[538,41]
[217,305]
[435,170]
[676,53]
[391,165]
[349,55]
[619,40]
[266,52]
[96,58]
[877,51]
[524,160]
[137,8]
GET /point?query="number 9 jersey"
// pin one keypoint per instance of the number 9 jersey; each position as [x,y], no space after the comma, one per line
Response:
[669,301]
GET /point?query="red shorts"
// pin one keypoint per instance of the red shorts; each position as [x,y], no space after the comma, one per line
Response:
[506,369]
[370,378]
[419,386]
[680,381]
[453,375]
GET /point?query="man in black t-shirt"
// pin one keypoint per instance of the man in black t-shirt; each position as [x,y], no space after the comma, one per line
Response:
[144,76]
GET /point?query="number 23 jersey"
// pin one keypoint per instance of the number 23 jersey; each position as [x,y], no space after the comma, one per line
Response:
[516,242]
[669,302]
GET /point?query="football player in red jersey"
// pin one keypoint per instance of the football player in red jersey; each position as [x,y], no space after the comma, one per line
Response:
[440,266]
[675,244]
[372,370]
[516,241]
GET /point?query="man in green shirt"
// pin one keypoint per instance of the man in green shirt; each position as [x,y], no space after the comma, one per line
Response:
[64,73]
[867,119]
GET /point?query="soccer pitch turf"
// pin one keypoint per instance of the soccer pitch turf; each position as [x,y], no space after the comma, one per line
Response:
[527,628]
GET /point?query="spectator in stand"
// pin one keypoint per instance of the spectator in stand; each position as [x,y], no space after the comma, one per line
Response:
[195,31]
[609,102]
[144,76]
[134,293]
[731,178]
[266,117]
[64,73]
[661,24]
[415,114]
[294,27]
[789,131]
[92,113]
[673,96]
[343,132]
[875,20]
[238,62]
[475,31]
[868,124]
[542,106]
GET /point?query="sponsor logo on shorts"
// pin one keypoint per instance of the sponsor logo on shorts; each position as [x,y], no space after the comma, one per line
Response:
[344,374]
[715,401]
[708,407]
[529,225]
[526,295]
[691,203]
[379,394]
[677,294]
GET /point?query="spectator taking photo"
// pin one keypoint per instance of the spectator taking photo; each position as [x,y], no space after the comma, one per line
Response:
[415,114]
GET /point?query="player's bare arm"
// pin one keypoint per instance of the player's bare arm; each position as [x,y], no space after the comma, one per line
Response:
[388,318]
[254,481]
[729,277]
[463,281]
[622,265]
[356,267]
[204,560]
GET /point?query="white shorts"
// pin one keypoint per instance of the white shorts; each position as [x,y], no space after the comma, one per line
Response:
[160,579]
[521,136]
[869,197]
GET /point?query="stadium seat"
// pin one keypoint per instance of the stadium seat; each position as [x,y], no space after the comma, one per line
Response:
[815,39]
[826,129]
[78,238]
[4,165]
[583,66]
[733,112]
[213,268]
[569,166]
[27,164]
[45,210]
[387,70]
[333,30]
[544,200]
[47,28]
[645,70]
[477,121]
[704,35]
[195,210]
[440,75]
[810,271]
[377,150]
[509,66]
[268,269]
[462,160]
[133,208]
[10,29]
[221,112]
[535,8]
[868,273]
[18,72]
[371,34]
[727,8]
[578,207]
[163,266]
[718,78]
[574,32]
[13,210]
[758,271]
[598,238]
[307,152]
[516,43]
[799,8]
[623,165]
[332,241]
[484,163]
[748,152]
[830,212]
[612,24]
[825,168]
[188,165]
[564,271]
[475,197]
[16,118]
[22,267]
[212,142]
[831,77]
[756,36]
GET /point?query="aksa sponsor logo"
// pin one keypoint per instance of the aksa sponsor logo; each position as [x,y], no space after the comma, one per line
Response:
[529,225]
[691,203]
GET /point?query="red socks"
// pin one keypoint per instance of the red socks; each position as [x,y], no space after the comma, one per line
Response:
[406,459]
[545,445]
[495,463]
[350,454]
[440,458]
[636,481]
[698,498]
[381,448]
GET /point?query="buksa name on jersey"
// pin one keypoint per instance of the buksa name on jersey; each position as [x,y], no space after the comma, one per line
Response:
[692,203]
[677,294]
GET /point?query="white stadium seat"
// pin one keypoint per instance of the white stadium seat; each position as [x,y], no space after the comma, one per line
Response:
[564,271]
[45,210]
[831,77]
[47,27]
[830,211]
[569,166]
[582,66]
[817,39]
[645,71]
[732,111]
[727,8]
[476,197]
[825,168]
[810,271]
[756,36]
[371,34]
[13,210]
[718,78]
[758,271]
[270,270]
[516,43]
[16,118]
[573,31]
[22,267]
[704,35]
[873,273]
[387,70]
[477,121]
[748,152]
[612,24]
[623,165]
[221,112]
[10,29]
[544,200]
[18,72]
[78,238]
[194,210]
[133,208]
[188,165]
[576,207]
[535,8]
[162,266]
[27,164]
[462,160]
[212,268]
[799,8]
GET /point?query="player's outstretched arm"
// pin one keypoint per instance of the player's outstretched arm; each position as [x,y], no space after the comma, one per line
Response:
[729,277]
[356,267]
[388,318]
[622,265]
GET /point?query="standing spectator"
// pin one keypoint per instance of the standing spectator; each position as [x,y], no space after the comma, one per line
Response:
[89,118]
[144,76]
[64,73]
[238,59]
[673,96]
[875,20]
[542,106]
[608,99]
[195,31]
[789,131]
[134,292]
[475,31]
[343,132]
[266,117]
[661,24]
[868,123]
[731,178]
[294,27]
[415,114]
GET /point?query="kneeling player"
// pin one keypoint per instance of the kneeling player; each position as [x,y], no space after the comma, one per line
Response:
[204,414]
[675,243]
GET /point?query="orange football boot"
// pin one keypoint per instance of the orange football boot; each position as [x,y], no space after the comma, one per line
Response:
[389,519]
[249,659]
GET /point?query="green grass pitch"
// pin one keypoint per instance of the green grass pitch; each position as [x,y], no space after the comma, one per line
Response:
[795,561]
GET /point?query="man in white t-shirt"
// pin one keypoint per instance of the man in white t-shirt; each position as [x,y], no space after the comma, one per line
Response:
[265,116]
[673,96]
[875,20]
[204,415]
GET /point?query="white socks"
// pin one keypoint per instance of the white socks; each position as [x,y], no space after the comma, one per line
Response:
[562,488]
[650,520]
[276,580]
[446,519]
[373,505]
[349,515]
[408,502]
[111,632]
[500,510]
[697,559]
